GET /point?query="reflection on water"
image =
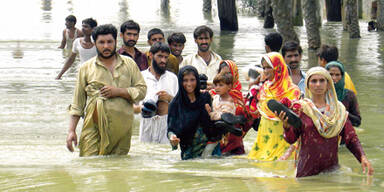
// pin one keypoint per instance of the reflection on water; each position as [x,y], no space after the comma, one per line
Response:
[34,121]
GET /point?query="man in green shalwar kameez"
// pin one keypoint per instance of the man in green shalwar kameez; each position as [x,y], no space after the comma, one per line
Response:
[106,88]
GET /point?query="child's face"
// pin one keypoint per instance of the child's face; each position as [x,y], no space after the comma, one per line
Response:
[222,88]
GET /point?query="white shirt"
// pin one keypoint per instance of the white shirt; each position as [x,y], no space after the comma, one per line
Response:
[198,62]
[167,82]
[84,54]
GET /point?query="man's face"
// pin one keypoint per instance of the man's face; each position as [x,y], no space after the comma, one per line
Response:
[105,46]
[159,62]
[176,48]
[155,38]
[293,59]
[130,37]
[318,84]
[69,24]
[322,62]
[203,42]
[87,29]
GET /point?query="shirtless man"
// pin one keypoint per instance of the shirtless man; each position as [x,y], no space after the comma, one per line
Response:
[70,33]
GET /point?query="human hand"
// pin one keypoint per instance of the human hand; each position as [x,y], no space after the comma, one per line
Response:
[283,117]
[208,108]
[109,91]
[366,165]
[71,137]
[174,140]
[164,96]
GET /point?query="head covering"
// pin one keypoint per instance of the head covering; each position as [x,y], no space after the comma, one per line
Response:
[235,91]
[339,86]
[280,87]
[330,123]
[185,116]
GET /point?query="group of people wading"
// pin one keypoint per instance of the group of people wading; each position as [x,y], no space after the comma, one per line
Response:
[197,102]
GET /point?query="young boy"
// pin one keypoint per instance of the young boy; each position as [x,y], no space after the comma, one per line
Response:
[70,33]
[222,103]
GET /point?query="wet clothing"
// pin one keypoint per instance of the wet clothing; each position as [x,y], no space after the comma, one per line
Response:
[172,64]
[84,54]
[202,67]
[320,131]
[349,84]
[154,129]
[186,118]
[269,144]
[346,96]
[140,58]
[351,105]
[301,84]
[111,134]
[219,107]
[69,41]
[318,154]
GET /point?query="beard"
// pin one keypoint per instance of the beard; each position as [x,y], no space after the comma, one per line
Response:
[100,54]
[294,65]
[157,68]
[130,43]
[203,49]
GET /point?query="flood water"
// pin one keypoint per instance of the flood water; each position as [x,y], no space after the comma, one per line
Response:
[34,121]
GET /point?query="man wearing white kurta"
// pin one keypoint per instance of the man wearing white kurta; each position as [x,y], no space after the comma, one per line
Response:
[206,61]
[162,86]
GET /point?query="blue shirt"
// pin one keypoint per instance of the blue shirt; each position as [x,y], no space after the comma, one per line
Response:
[301,84]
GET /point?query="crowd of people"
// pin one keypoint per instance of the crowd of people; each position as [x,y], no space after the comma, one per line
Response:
[197,102]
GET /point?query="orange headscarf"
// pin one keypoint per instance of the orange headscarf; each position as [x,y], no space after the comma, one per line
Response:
[280,87]
[235,92]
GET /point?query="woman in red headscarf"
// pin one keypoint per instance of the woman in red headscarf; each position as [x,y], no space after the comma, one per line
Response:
[232,144]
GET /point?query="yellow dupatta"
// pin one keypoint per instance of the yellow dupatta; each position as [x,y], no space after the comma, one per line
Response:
[280,87]
[332,121]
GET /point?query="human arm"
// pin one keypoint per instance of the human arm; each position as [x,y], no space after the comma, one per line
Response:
[72,137]
[63,41]
[291,134]
[353,144]
[354,111]
[164,96]
[67,65]
[76,109]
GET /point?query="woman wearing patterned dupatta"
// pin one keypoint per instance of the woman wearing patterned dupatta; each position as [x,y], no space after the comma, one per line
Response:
[270,144]
[232,144]
[324,120]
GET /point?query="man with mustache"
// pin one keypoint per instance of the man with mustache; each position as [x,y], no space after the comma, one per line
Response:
[106,87]
[205,60]
[157,35]
[292,53]
[129,32]
[162,87]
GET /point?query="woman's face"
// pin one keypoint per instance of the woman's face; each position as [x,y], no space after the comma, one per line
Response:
[268,71]
[317,84]
[335,74]
[225,69]
[189,83]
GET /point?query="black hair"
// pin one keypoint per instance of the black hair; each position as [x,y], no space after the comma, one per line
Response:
[130,24]
[91,22]
[202,30]
[104,30]
[154,31]
[329,53]
[176,37]
[71,18]
[274,41]
[291,46]
[159,46]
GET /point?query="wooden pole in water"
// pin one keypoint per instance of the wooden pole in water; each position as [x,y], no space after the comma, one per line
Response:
[352,19]
[297,13]
[333,8]
[312,25]
[227,15]
[380,15]
[283,17]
